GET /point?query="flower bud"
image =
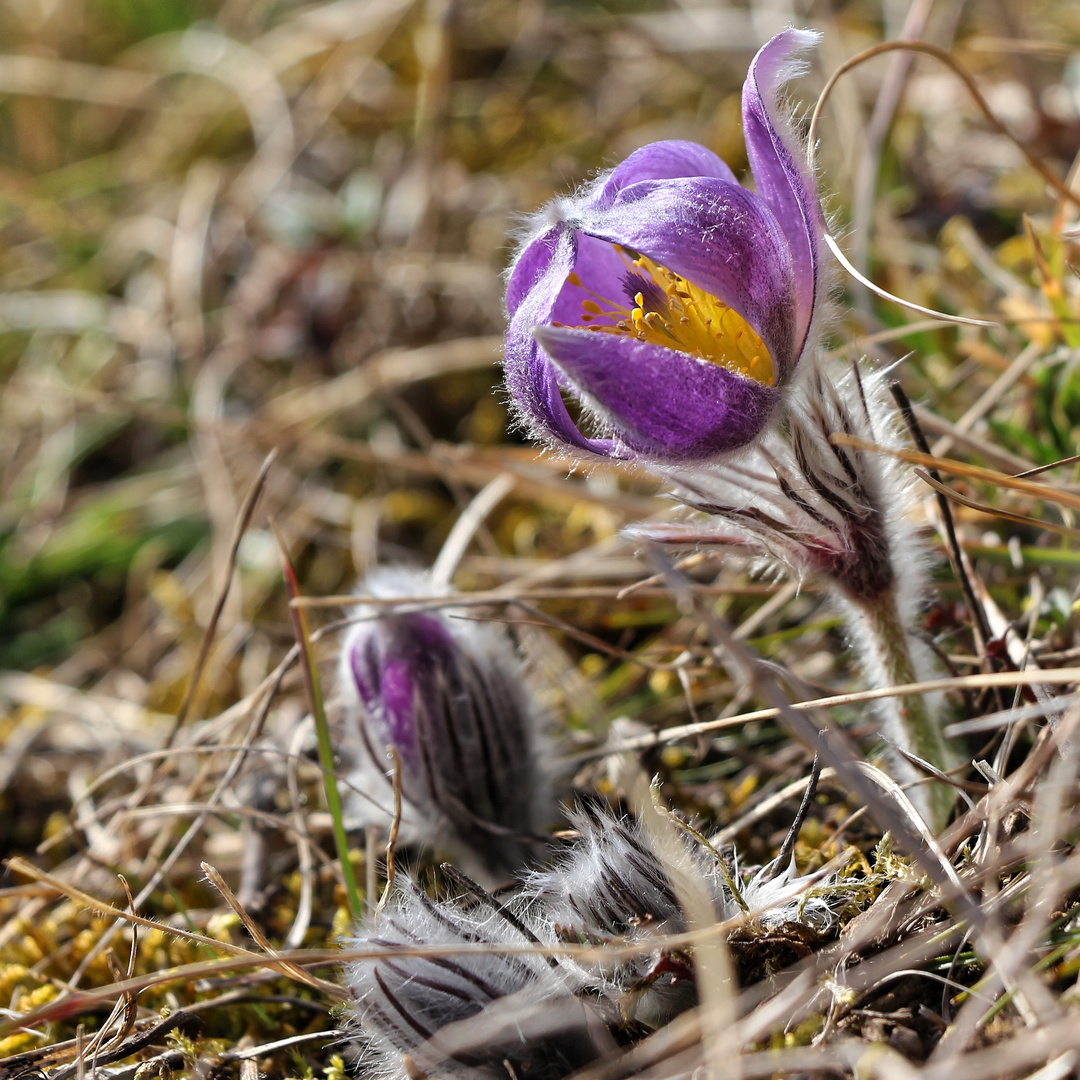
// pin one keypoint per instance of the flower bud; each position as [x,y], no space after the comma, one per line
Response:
[610,887]
[446,693]
[470,1014]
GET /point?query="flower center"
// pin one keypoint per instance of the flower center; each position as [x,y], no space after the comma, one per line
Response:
[670,311]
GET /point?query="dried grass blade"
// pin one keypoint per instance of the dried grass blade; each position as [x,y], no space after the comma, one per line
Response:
[965,76]
[260,939]
[982,681]
[18,865]
[994,511]
[962,468]
[391,840]
[242,521]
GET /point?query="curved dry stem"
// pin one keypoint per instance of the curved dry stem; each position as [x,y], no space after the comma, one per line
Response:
[965,76]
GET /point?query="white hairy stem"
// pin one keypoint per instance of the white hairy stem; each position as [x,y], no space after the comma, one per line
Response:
[891,656]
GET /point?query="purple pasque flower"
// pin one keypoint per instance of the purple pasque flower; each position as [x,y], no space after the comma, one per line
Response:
[672,302]
[447,694]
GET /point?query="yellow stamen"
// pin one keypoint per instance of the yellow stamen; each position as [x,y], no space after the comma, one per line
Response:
[682,317]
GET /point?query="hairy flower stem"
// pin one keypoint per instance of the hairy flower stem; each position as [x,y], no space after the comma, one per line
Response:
[892,657]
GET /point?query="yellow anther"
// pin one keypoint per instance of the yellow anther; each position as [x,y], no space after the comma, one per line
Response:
[682,316]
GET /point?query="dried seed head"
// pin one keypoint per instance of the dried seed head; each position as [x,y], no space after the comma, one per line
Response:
[474,1014]
[447,693]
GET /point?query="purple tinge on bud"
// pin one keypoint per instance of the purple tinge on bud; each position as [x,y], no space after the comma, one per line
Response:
[447,695]
[669,300]
[396,667]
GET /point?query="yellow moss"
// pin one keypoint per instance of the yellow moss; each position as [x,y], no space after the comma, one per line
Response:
[673,756]
[592,665]
[55,824]
[739,793]
[84,941]
[335,1070]
[660,681]
[405,505]
[171,596]
[1015,253]
[150,940]
[813,832]
[804,1033]
[28,950]
[10,977]
[16,1044]
[221,925]
[585,517]
[26,1002]
[341,924]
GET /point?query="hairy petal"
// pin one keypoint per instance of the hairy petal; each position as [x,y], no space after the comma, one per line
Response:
[602,271]
[530,378]
[780,173]
[671,159]
[532,264]
[661,403]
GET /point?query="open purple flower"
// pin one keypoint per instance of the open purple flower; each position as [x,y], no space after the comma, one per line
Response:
[672,302]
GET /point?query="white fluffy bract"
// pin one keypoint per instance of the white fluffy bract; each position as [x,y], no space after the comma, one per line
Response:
[811,502]
[610,887]
[809,498]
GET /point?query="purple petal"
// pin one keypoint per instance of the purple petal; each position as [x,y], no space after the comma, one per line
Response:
[781,177]
[531,265]
[394,663]
[669,160]
[717,235]
[530,377]
[602,271]
[662,404]
[400,689]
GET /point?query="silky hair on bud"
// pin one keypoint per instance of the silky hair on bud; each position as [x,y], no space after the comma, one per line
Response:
[609,887]
[448,694]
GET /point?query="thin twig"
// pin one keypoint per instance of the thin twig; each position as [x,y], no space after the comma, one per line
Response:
[394,826]
[243,519]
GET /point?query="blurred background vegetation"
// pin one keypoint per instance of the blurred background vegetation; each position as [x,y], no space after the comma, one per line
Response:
[227,228]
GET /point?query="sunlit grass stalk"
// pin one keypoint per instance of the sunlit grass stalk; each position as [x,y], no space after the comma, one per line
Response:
[322,728]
